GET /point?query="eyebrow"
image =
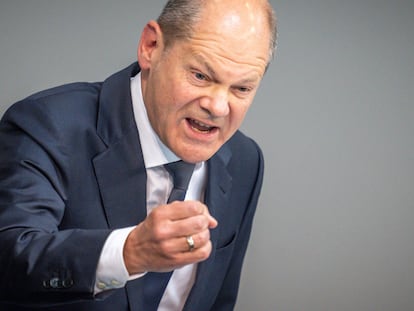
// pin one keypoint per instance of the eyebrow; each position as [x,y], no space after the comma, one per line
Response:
[201,60]
[212,72]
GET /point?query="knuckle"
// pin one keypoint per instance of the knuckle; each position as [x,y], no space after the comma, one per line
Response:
[160,232]
[165,248]
[202,238]
[200,223]
[154,217]
[206,235]
[204,252]
[192,207]
[196,207]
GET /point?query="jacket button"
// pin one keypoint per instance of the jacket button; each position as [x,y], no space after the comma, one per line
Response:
[55,283]
[46,284]
[67,283]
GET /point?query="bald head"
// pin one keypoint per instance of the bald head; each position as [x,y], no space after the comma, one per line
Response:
[180,19]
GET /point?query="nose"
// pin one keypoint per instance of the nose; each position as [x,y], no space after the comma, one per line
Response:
[216,102]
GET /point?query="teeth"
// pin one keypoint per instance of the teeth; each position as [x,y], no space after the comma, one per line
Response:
[200,131]
[201,127]
[201,124]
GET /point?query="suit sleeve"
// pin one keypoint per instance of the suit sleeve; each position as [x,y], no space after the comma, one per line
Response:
[39,261]
[227,296]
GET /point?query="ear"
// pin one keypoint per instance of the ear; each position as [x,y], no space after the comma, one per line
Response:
[150,44]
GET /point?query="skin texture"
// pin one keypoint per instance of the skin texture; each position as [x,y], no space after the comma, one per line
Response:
[196,93]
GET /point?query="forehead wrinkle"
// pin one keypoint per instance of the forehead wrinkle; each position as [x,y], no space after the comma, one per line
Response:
[199,58]
[203,62]
[234,51]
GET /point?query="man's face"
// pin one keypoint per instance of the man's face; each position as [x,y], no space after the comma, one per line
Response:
[198,91]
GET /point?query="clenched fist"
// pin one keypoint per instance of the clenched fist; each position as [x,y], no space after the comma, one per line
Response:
[159,243]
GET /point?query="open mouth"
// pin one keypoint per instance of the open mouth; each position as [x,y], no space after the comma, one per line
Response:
[200,127]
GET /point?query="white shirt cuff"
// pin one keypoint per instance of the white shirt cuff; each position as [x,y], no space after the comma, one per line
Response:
[111,272]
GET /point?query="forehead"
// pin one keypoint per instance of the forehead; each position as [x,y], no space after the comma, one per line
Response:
[236,29]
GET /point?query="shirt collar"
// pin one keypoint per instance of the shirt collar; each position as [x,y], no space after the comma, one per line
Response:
[155,153]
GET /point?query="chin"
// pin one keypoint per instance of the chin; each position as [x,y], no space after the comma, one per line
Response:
[195,157]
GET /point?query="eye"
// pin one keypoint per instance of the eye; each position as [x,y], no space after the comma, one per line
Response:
[200,76]
[242,90]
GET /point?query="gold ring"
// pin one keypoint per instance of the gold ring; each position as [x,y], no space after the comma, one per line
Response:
[190,243]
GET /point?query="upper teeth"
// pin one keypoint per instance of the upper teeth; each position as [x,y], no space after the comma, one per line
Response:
[201,124]
[200,127]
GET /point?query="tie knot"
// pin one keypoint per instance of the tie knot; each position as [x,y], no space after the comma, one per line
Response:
[181,173]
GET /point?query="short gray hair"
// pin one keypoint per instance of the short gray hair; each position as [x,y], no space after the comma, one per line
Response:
[178,18]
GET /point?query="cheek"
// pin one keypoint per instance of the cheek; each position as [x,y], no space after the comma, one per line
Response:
[238,113]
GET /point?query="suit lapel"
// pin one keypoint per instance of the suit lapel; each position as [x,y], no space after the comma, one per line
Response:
[217,197]
[120,168]
[218,188]
[121,177]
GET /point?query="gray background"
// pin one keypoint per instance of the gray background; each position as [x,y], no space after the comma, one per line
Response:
[334,116]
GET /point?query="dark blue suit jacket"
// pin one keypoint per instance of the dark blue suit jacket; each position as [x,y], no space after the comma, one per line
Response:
[71,171]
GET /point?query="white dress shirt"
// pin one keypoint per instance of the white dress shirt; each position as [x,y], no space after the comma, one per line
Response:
[111,272]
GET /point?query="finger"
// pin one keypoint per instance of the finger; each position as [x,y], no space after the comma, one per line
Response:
[188,226]
[190,242]
[189,257]
[196,241]
[201,239]
[191,224]
[198,254]
[212,221]
[186,243]
[180,209]
[151,248]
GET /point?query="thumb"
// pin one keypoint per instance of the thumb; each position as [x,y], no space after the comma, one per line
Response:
[212,222]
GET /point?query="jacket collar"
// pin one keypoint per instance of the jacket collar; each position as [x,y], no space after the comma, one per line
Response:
[116,115]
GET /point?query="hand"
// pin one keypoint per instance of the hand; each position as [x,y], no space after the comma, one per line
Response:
[159,242]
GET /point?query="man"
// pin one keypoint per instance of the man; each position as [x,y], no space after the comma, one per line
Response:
[84,218]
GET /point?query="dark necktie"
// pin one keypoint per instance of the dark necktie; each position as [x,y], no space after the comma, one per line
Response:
[156,282]
[181,174]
